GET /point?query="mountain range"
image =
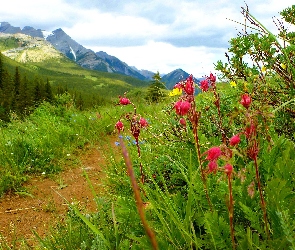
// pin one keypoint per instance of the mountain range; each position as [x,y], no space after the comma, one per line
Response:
[86,58]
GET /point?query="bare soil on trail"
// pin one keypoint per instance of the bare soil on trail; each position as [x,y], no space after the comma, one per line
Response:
[46,203]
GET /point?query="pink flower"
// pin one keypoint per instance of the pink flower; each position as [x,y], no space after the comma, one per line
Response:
[182,121]
[189,85]
[246,100]
[204,85]
[182,107]
[235,140]
[124,101]
[212,78]
[213,167]
[143,123]
[228,169]
[120,126]
[213,153]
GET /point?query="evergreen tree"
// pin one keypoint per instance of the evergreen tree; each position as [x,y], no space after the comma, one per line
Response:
[48,92]
[155,90]
[38,92]
[16,86]
[1,71]
[80,102]
[6,96]
[25,102]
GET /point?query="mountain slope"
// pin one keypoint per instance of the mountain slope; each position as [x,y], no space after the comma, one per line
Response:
[36,56]
[76,52]
[174,77]
[119,66]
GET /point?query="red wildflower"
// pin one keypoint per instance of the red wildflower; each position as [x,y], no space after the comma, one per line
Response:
[182,107]
[124,101]
[213,153]
[189,85]
[213,167]
[228,169]
[246,100]
[204,85]
[235,140]
[182,121]
[212,78]
[143,123]
[120,126]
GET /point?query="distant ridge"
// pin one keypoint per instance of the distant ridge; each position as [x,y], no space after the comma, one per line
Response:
[176,76]
[86,58]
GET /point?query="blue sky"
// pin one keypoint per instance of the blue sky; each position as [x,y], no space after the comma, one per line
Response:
[156,35]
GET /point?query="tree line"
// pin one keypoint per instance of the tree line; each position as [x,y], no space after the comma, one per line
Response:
[20,95]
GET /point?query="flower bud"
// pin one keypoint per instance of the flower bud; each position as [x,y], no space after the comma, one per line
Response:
[235,140]
[143,123]
[228,169]
[204,85]
[124,101]
[182,121]
[120,126]
[246,100]
[213,167]
[182,107]
[213,153]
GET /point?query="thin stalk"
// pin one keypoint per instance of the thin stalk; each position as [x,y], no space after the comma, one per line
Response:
[231,211]
[138,200]
[195,122]
[262,202]
[217,104]
[140,164]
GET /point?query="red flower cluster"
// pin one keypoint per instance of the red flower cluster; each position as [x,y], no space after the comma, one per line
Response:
[246,100]
[189,85]
[120,126]
[182,107]
[212,78]
[124,101]
[213,153]
[228,169]
[204,85]
[143,123]
[235,140]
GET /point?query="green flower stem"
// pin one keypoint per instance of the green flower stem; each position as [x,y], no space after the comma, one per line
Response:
[231,211]
[262,202]
[139,202]
[195,121]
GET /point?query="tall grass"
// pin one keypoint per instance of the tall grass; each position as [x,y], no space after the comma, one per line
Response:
[44,141]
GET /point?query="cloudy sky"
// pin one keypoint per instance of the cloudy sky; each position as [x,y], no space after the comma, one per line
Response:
[156,35]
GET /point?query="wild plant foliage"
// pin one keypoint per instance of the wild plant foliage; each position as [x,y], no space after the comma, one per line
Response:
[212,171]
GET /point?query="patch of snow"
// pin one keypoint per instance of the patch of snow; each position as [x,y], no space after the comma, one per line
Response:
[73,52]
[46,34]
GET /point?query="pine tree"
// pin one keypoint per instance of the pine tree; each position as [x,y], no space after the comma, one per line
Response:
[16,86]
[38,93]
[1,71]
[25,102]
[48,92]
[155,90]
[6,96]
[80,102]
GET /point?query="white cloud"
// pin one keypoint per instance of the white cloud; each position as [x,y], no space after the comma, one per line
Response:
[160,29]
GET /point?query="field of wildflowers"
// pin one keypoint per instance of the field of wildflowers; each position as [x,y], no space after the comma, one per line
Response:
[207,171]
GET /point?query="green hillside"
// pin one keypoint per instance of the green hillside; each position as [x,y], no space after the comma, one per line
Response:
[62,72]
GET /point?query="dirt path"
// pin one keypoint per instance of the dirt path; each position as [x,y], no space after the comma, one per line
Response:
[46,205]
